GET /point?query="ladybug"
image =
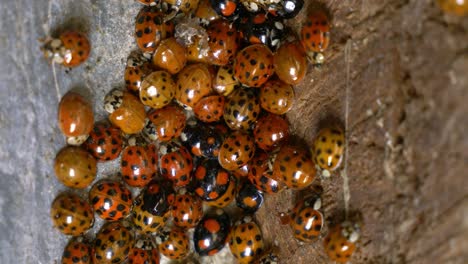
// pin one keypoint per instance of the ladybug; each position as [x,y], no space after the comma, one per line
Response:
[205,11]
[237,149]
[225,8]
[226,198]
[246,241]
[193,83]
[187,210]
[340,243]
[77,141]
[211,233]
[224,82]
[110,199]
[137,68]
[144,251]
[249,198]
[261,173]
[76,252]
[170,56]
[152,207]
[197,51]
[157,89]
[151,28]
[71,215]
[173,243]
[176,164]
[75,167]
[210,109]
[294,167]
[222,42]
[306,219]
[126,111]
[290,62]
[104,142]
[75,115]
[139,164]
[260,28]
[254,65]
[203,141]
[328,148]
[112,243]
[168,122]
[70,49]
[456,7]
[241,109]
[211,180]
[315,33]
[276,97]
[271,131]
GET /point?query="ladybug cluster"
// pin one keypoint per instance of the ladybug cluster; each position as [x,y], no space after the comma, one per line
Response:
[201,134]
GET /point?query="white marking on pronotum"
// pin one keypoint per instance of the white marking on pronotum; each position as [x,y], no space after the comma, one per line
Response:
[344,172]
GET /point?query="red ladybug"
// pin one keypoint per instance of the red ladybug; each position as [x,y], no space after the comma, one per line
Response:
[76,252]
[150,28]
[271,131]
[139,164]
[315,33]
[294,167]
[168,122]
[261,173]
[222,41]
[176,164]
[187,210]
[253,65]
[104,142]
[110,199]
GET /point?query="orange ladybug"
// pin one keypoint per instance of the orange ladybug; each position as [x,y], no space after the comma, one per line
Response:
[193,83]
[77,252]
[70,49]
[340,243]
[170,56]
[290,62]
[126,111]
[157,89]
[151,28]
[456,7]
[71,215]
[75,167]
[168,122]
[315,33]
[173,243]
[75,115]
[210,108]
[306,219]
[222,41]
[246,241]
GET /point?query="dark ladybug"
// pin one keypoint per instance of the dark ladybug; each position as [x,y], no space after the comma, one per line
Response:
[211,233]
